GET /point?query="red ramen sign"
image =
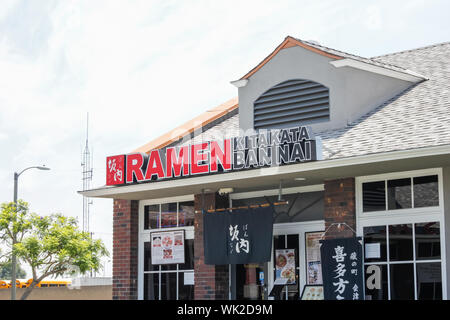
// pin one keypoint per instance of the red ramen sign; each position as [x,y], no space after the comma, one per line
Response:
[268,148]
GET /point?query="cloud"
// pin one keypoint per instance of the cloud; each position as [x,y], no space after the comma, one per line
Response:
[373,20]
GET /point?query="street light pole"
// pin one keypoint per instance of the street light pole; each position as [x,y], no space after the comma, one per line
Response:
[13,256]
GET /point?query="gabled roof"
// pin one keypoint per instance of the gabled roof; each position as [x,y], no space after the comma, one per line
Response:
[189,127]
[386,128]
[288,43]
[336,55]
[418,117]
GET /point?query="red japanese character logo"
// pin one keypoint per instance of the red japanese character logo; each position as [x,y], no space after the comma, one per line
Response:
[115,170]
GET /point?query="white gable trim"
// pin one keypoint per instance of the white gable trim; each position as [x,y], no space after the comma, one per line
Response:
[407,75]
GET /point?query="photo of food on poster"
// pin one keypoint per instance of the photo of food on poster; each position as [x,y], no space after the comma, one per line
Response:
[285,265]
[167,247]
[313,260]
[312,293]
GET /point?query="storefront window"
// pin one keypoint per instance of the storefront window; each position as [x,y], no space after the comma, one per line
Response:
[151,217]
[376,282]
[151,286]
[188,255]
[169,281]
[169,286]
[185,290]
[169,215]
[375,244]
[400,242]
[398,194]
[374,196]
[428,241]
[186,213]
[391,262]
[429,283]
[426,191]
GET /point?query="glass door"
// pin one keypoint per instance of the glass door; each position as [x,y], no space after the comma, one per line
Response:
[286,264]
[250,281]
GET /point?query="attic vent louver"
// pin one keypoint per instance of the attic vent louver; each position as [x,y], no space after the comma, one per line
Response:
[292,103]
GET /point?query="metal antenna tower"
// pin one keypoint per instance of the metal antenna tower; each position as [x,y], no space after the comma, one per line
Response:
[86,164]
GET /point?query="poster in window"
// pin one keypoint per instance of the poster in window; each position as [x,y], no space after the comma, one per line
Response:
[168,219]
[313,260]
[285,265]
[167,247]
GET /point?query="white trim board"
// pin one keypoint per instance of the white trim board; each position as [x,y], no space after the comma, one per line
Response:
[406,75]
[109,192]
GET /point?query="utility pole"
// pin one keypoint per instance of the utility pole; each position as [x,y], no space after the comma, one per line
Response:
[14,240]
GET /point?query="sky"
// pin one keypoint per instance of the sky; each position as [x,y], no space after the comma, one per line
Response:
[141,68]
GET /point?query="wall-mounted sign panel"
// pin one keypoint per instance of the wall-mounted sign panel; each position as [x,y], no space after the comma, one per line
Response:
[263,149]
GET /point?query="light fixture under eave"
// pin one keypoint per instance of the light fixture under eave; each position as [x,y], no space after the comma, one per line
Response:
[223,191]
[300,179]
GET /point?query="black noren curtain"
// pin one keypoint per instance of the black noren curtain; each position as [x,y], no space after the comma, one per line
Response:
[238,237]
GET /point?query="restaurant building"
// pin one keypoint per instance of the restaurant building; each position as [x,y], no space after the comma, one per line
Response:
[334,145]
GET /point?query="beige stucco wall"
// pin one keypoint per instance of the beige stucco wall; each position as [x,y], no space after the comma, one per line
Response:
[84,293]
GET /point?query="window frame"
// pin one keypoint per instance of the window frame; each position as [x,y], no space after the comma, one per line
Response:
[144,236]
[394,176]
[404,216]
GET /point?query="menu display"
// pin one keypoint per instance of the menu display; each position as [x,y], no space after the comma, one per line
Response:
[285,265]
[312,293]
[313,260]
[167,247]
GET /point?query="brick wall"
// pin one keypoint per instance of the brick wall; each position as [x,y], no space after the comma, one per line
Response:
[211,281]
[125,249]
[340,207]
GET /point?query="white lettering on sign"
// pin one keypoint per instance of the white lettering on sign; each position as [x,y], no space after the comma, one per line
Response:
[261,149]
[374,280]
[237,244]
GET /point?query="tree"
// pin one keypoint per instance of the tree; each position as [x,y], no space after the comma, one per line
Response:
[56,247]
[14,225]
[5,271]
[51,245]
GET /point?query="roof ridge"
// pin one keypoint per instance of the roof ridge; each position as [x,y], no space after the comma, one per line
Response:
[414,49]
[351,54]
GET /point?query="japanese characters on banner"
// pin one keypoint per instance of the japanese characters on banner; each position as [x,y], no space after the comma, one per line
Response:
[285,265]
[167,247]
[238,237]
[342,269]
[115,170]
[313,260]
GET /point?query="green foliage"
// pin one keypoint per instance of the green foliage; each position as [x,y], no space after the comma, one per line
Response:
[14,221]
[51,245]
[57,247]
[5,271]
